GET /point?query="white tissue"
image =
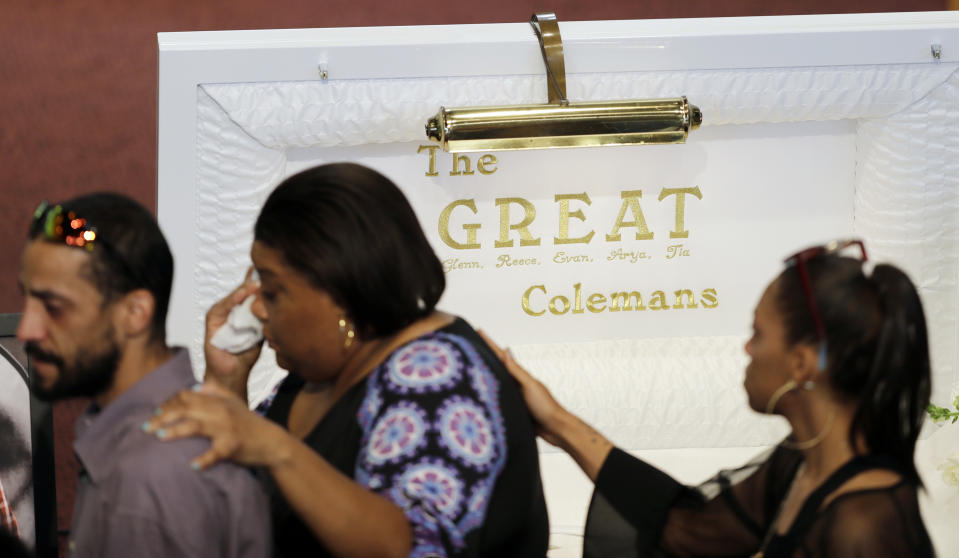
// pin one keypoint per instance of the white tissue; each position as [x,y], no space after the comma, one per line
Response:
[241,331]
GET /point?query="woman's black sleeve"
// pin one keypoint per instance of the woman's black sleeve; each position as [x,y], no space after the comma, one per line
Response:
[639,511]
[628,508]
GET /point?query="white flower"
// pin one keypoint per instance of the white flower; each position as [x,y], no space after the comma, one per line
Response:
[950,470]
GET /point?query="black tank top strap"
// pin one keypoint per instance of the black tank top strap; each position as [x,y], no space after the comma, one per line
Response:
[279,410]
[812,505]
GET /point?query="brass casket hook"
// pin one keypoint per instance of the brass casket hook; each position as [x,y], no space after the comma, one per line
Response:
[546,28]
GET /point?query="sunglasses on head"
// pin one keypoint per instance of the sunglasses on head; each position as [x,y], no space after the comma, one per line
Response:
[799,260]
[63,225]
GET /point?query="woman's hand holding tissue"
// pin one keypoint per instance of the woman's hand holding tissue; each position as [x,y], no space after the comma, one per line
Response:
[231,351]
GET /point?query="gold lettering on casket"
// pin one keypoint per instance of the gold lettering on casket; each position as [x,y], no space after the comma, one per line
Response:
[578,298]
[625,300]
[454,264]
[558,305]
[470,228]
[631,204]
[572,303]
[710,298]
[676,251]
[525,238]
[457,158]
[432,149]
[689,297]
[680,193]
[630,215]
[505,260]
[564,216]
[526,307]
[658,301]
[486,164]
[594,301]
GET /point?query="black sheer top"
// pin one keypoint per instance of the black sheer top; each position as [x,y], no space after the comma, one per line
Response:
[638,510]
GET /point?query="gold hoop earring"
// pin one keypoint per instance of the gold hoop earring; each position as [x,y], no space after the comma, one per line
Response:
[346,328]
[778,394]
[814,441]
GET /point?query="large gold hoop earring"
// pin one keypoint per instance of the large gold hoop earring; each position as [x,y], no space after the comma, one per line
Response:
[783,390]
[808,444]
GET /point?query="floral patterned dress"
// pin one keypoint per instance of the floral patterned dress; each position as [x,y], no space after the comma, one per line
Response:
[440,429]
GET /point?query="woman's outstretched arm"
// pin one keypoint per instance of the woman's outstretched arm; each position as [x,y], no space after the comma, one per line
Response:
[555,424]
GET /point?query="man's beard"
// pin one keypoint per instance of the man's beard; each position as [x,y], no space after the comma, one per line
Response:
[89,375]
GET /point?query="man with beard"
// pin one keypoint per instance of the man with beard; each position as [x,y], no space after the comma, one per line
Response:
[96,276]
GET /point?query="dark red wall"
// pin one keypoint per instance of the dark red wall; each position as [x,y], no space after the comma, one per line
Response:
[78,92]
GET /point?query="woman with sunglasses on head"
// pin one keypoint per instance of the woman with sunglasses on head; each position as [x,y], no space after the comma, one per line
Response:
[843,356]
[397,431]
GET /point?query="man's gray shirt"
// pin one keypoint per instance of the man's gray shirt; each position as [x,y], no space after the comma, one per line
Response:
[138,496]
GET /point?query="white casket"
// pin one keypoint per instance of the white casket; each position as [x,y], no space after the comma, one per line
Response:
[815,127]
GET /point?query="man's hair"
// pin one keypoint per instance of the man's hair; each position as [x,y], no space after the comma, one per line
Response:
[129,253]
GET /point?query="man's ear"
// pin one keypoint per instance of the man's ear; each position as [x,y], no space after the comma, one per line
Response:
[135,312]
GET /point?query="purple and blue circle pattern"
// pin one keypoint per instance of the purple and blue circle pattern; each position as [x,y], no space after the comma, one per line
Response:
[424,365]
[370,407]
[435,484]
[398,433]
[466,432]
[476,506]
[486,386]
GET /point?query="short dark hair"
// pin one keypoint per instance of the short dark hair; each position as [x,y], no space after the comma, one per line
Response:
[877,347]
[351,232]
[130,251]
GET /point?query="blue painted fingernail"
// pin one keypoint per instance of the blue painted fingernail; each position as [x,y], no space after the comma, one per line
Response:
[157,411]
[161,433]
[145,426]
[194,465]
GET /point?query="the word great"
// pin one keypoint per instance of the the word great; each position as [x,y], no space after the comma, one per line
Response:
[458,229]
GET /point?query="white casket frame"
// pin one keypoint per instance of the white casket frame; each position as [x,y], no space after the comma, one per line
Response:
[233,105]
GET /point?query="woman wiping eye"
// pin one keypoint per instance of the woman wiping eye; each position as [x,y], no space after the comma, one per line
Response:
[397,431]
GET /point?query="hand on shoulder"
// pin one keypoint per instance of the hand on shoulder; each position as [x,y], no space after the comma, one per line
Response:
[235,432]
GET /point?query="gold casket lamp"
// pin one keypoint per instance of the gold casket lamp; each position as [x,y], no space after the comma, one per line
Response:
[562,123]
